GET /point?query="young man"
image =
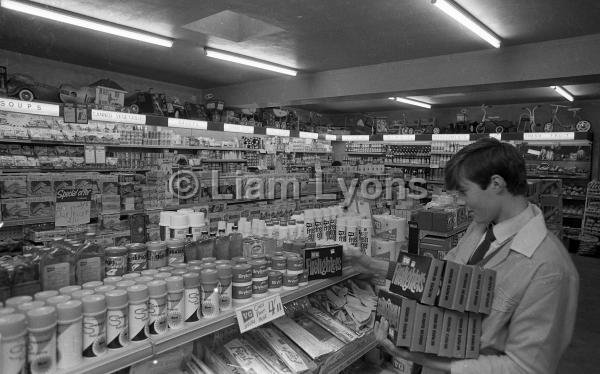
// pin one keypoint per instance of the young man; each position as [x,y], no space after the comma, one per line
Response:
[535,298]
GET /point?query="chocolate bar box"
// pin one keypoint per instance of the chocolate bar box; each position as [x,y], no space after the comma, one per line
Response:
[389,306]
[417,277]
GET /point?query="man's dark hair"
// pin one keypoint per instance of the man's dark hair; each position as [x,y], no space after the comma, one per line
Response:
[478,161]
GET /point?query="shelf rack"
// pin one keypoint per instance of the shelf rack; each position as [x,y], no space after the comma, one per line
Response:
[122,358]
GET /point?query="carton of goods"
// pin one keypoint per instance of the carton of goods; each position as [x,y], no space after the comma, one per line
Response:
[12,187]
[419,335]
[417,277]
[40,185]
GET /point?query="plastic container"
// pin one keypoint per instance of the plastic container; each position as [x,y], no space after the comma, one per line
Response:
[104,289]
[115,261]
[260,278]
[290,281]
[150,272]
[91,285]
[364,238]
[137,257]
[175,302]
[222,246]
[24,307]
[90,261]
[15,301]
[192,298]
[69,338]
[205,245]
[138,312]
[55,300]
[44,295]
[225,278]
[179,227]
[117,329]
[156,254]
[112,281]
[57,267]
[94,323]
[236,243]
[68,290]
[175,251]
[197,225]
[210,293]
[275,281]
[309,225]
[13,344]
[125,284]
[164,224]
[41,349]
[162,276]
[341,231]
[78,295]
[157,307]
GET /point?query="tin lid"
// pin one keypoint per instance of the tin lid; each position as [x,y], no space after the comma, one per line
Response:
[157,288]
[93,304]
[116,299]
[131,276]
[174,284]
[223,262]
[104,288]
[156,245]
[239,260]
[162,275]
[91,285]
[112,280]
[15,301]
[175,243]
[143,279]
[179,271]
[81,293]
[210,265]
[241,269]
[257,256]
[136,247]
[123,285]
[208,259]
[115,251]
[195,269]
[150,272]
[7,310]
[55,300]
[224,271]
[180,265]
[275,274]
[194,262]
[137,293]
[191,280]
[209,276]
[165,218]
[166,269]
[30,305]
[179,220]
[41,318]
[12,325]
[69,311]
[44,295]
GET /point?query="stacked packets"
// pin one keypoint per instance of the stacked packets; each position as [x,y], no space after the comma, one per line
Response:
[436,306]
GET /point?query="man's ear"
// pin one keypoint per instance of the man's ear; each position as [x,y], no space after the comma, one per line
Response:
[497,183]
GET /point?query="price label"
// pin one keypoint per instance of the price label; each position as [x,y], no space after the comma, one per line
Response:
[259,312]
[450,137]
[107,116]
[187,123]
[549,136]
[73,206]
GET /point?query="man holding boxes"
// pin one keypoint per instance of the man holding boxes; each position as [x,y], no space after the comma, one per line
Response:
[532,313]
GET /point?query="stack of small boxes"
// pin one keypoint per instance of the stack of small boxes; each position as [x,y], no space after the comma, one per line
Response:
[436,306]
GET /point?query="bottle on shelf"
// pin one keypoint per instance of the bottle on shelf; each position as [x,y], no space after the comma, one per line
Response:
[90,261]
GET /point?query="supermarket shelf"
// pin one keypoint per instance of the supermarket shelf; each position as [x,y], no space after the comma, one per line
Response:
[443,153]
[309,152]
[572,197]
[593,196]
[422,233]
[592,214]
[113,360]
[557,176]
[408,165]
[593,232]
[569,215]
[195,331]
[221,160]
[28,221]
[378,154]
[74,170]
[363,350]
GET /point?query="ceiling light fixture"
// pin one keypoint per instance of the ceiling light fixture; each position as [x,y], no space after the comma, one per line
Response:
[463,17]
[563,92]
[411,102]
[244,60]
[88,23]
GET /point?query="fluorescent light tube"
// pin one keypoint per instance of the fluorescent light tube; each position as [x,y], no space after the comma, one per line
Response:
[87,23]
[308,135]
[226,56]
[460,15]
[563,93]
[411,102]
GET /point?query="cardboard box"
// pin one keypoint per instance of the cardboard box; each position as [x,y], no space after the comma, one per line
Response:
[419,335]
[487,291]
[13,186]
[407,319]
[474,295]
[434,330]
[424,219]
[14,209]
[473,336]
[462,288]
[41,207]
[40,185]
[460,341]
[61,182]
[442,220]
[448,334]
[389,306]
[449,282]
[417,277]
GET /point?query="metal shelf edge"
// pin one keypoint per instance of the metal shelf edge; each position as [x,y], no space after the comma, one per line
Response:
[113,360]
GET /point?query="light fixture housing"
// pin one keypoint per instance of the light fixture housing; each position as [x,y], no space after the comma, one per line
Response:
[411,102]
[85,22]
[564,93]
[463,17]
[248,61]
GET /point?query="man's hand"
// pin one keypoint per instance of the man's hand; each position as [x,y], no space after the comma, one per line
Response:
[359,261]
[381,330]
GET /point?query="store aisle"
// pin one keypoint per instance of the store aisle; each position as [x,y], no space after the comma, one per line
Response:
[582,355]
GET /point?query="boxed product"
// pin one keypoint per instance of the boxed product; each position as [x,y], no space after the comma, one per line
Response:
[302,338]
[487,291]
[473,336]
[108,184]
[424,219]
[406,325]
[241,353]
[41,207]
[448,334]
[14,209]
[12,187]
[326,339]
[442,220]
[419,335]
[462,288]
[267,354]
[460,341]
[61,182]
[474,294]
[434,330]
[388,307]
[293,359]
[111,204]
[417,277]
[449,284]
[40,185]
[332,325]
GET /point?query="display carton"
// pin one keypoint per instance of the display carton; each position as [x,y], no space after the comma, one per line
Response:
[448,334]
[419,335]
[462,288]
[460,341]
[487,293]
[417,277]
[474,295]
[434,330]
[449,282]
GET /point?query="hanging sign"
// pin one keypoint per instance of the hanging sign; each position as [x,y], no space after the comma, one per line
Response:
[399,137]
[187,123]
[450,137]
[549,136]
[108,116]
[29,107]
[259,312]
[73,206]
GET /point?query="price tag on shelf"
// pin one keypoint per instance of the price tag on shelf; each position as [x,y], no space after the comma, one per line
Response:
[259,312]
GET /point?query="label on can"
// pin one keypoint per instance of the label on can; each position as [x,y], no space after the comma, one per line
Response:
[225,292]
[94,336]
[116,265]
[192,304]
[175,309]
[157,258]
[240,291]
[210,301]
[116,328]
[137,261]
[138,322]
[157,312]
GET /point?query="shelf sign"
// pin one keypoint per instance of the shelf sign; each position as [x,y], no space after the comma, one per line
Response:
[330,137]
[399,138]
[187,123]
[450,137]
[549,136]
[259,312]
[107,116]
[73,206]
[355,138]
[496,136]
[308,135]
[277,132]
[230,127]
[29,107]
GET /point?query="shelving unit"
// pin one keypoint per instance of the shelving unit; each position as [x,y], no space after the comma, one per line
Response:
[120,359]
